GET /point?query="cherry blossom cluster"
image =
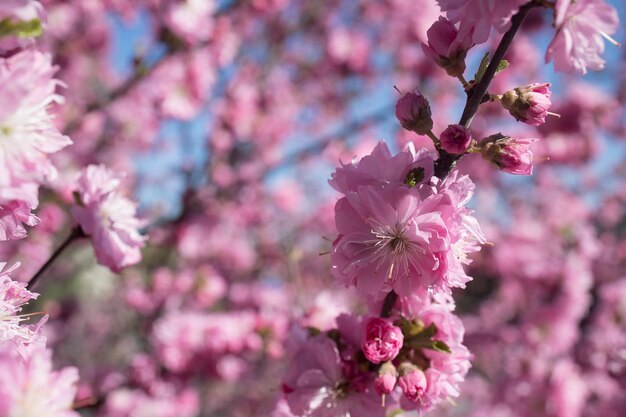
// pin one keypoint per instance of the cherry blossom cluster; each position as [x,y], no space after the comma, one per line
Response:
[180,253]
[405,233]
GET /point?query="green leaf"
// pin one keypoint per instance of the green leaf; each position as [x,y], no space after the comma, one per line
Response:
[504,64]
[484,63]
[440,346]
[20,28]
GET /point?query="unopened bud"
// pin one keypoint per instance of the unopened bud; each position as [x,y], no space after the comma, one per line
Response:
[528,104]
[456,139]
[412,381]
[386,379]
[512,155]
[413,112]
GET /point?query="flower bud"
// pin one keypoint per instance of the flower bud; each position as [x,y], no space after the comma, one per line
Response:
[413,112]
[382,340]
[386,379]
[528,104]
[456,139]
[446,47]
[511,155]
[412,381]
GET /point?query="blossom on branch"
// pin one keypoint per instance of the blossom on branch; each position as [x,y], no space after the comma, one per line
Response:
[582,26]
[109,218]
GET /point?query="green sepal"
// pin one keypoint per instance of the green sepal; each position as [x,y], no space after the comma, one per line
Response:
[20,28]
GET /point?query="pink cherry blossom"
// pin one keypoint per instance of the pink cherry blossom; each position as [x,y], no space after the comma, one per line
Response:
[109,218]
[192,20]
[13,216]
[30,387]
[581,26]
[441,380]
[405,238]
[13,296]
[315,386]
[381,167]
[446,47]
[27,133]
[382,340]
[477,17]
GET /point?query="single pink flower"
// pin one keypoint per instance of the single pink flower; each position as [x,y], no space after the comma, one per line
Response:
[382,340]
[413,112]
[30,387]
[409,239]
[528,104]
[581,26]
[27,133]
[476,18]
[315,384]
[446,47]
[108,218]
[14,295]
[13,216]
[456,139]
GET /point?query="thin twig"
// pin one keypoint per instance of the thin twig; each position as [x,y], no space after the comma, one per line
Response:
[76,233]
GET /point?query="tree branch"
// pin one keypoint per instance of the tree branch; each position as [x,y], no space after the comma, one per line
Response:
[76,233]
[475,95]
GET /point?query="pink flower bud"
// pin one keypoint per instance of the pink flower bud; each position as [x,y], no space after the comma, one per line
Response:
[456,139]
[382,340]
[386,379]
[511,155]
[413,112]
[446,47]
[528,104]
[412,381]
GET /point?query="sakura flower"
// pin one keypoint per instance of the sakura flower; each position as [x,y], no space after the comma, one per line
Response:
[381,167]
[315,384]
[30,387]
[192,20]
[382,340]
[13,295]
[108,218]
[27,134]
[446,47]
[476,18]
[13,216]
[436,378]
[581,26]
[406,238]
[165,402]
